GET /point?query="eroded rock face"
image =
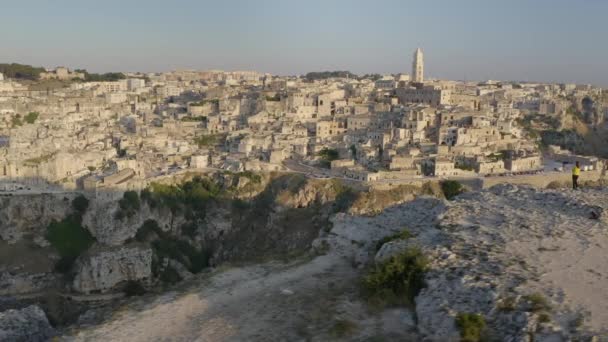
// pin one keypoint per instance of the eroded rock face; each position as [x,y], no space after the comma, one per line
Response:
[30,214]
[101,222]
[103,268]
[25,325]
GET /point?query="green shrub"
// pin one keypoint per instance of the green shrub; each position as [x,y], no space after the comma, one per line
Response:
[181,251]
[31,117]
[134,288]
[68,237]
[345,195]
[192,195]
[170,276]
[343,328]
[471,326]
[538,302]
[328,154]
[80,204]
[128,205]
[64,264]
[451,189]
[403,235]
[396,281]
[206,140]
[149,227]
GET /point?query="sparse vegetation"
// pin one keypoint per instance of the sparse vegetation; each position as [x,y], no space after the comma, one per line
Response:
[16,121]
[206,140]
[322,75]
[80,204]
[345,195]
[544,317]
[134,288]
[396,281]
[39,160]
[190,196]
[538,302]
[149,227]
[343,328]
[403,235]
[328,154]
[451,189]
[204,102]
[107,77]
[31,117]
[70,239]
[128,205]
[20,71]
[507,304]
[556,185]
[471,326]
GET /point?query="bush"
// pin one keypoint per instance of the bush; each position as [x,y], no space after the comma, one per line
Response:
[134,288]
[328,154]
[403,235]
[343,328]
[471,326]
[179,250]
[64,264]
[538,302]
[69,238]
[80,204]
[206,140]
[451,189]
[31,117]
[169,275]
[396,281]
[556,185]
[129,204]
[146,229]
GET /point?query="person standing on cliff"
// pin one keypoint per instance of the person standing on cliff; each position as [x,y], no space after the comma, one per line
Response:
[576,171]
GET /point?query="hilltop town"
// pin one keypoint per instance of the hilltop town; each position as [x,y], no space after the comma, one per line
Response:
[66,129]
[351,207]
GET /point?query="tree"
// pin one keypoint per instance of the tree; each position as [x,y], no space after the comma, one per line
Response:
[21,71]
[328,154]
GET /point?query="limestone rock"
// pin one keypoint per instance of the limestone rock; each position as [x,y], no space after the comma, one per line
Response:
[25,325]
[101,269]
[31,214]
[107,229]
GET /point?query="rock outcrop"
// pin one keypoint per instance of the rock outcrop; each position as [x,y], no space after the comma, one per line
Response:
[25,325]
[22,215]
[109,230]
[102,269]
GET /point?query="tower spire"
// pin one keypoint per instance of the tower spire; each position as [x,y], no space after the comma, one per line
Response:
[418,66]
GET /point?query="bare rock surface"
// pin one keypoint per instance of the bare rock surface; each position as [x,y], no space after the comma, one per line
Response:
[26,325]
[532,262]
[103,268]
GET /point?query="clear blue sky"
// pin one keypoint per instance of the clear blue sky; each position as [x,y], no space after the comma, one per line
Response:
[546,40]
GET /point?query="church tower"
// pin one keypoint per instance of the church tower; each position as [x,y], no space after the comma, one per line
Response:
[418,67]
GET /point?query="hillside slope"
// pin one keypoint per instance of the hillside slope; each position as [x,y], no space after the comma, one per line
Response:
[532,263]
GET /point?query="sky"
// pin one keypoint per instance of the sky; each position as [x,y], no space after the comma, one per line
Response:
[525,40]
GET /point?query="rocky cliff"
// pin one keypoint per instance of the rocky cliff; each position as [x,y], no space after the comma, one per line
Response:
[102,269]
[510,263]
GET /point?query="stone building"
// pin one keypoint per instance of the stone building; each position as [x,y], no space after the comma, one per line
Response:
[418,66]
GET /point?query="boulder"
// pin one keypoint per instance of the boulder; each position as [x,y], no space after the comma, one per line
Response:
[28,324]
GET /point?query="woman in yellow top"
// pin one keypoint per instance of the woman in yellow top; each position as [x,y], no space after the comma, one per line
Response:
[576,171]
